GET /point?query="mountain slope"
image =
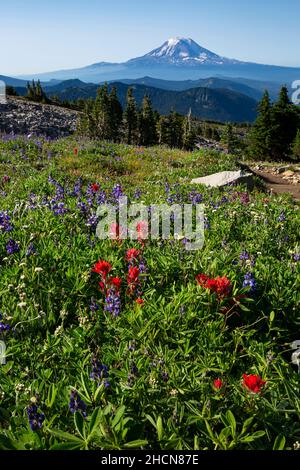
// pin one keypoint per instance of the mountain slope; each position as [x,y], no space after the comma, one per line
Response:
[219,105]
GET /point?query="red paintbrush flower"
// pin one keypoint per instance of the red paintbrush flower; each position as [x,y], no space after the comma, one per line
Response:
[115,282]
[219,285]
[133,275]
[102,268]
[95,187]
[140,301]
[253,382]
[218,384]
[132,254]
[75,151]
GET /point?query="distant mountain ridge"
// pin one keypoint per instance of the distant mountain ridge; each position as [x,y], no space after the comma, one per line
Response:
[212,82]
[212,104]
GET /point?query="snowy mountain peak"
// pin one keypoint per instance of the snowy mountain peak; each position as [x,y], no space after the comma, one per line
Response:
[177,50]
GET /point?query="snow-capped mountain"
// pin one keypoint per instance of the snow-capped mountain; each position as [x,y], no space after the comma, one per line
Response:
[177,59]
[183,51]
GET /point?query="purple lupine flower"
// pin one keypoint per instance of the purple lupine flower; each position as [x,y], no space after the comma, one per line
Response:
[296,256]
[196,198]
[137,194]
[35,418]
[101,197]
[59,209]
[282,217]
[77,404]
[117,192]
[113,303]
[5,222]
[94,307]
[244,256]
[92,221]
[99,371]
[12,247]
[4,327]
[249,281]
[77,188]
[31,250]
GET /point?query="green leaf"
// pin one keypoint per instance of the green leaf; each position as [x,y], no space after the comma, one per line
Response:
[279,443]
[119,415]
[79,424]
[151,420]
[67,446]
[246,425]
[135,444]
[232,422]
[66,435]
[95,421]
[159,427]
[52,392]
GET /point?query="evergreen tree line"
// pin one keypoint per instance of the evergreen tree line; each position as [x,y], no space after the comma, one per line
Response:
[105,119]
[36,93]
[276,132]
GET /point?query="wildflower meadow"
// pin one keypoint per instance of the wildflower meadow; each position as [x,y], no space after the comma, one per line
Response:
[143,344]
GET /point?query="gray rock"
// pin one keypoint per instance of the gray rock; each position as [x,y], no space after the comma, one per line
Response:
[23,117]
[223,178]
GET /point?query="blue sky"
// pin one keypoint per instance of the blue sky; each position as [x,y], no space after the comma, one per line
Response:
[38,36]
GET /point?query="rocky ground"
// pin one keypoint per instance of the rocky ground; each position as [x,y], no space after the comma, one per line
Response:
[23,117]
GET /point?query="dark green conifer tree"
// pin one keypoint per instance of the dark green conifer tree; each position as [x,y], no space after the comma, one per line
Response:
[285,121]
[115,115]
[147,124]
[101,114]
[189,136]
[130,118]
[260,136]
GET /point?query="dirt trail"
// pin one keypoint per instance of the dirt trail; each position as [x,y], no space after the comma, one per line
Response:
[278,185]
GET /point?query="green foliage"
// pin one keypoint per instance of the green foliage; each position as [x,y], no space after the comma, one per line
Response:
[170,130]
[189,134]
[147,124]
[36,93]
[296,146]
[130,118]
[275,128]
[229,140]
